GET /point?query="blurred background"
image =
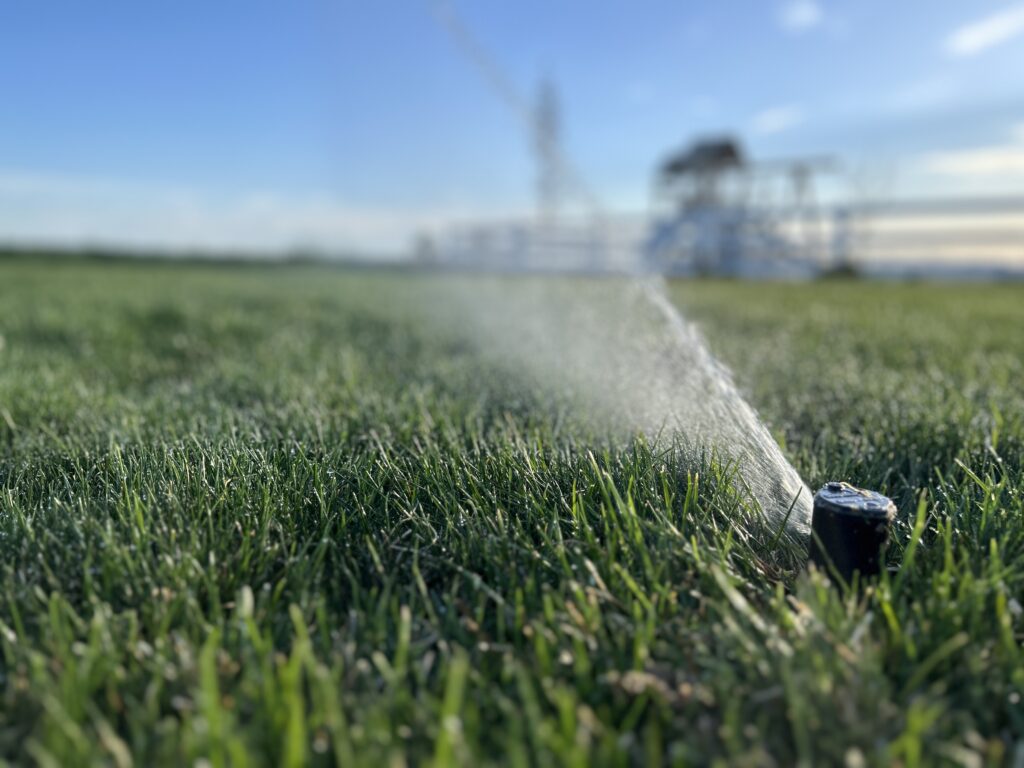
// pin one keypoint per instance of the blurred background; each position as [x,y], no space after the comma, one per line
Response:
[762,139]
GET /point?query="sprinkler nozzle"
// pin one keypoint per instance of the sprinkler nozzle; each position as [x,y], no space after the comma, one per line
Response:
[849,530]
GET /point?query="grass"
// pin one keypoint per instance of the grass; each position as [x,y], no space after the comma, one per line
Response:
[264,516]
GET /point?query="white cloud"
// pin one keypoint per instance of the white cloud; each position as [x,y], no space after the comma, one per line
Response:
[800,15]
[57,209]
[980,35]
[777,119]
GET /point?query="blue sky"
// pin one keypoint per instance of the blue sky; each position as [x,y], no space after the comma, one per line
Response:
[343,124]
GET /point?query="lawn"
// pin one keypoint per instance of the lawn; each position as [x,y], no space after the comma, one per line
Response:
[268,515]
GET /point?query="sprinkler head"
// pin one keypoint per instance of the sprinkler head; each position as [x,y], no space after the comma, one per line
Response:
[849,530]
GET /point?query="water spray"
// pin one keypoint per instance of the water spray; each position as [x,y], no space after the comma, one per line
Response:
[622,360]
[850,531]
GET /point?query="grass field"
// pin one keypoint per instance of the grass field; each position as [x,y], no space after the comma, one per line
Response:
[264,516]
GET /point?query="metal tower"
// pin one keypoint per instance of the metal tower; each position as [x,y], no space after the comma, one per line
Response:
[547,125]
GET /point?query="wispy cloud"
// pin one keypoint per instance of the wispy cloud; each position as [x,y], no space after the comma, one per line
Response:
[800,15]
[641,93]
[919,96]
[998,160]
[48,208]
[704,106]
[981,34]
[777,119]
[985,161]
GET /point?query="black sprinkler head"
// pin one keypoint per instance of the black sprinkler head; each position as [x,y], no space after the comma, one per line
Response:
[849,530]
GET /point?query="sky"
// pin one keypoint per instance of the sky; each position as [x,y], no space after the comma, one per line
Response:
[351,126]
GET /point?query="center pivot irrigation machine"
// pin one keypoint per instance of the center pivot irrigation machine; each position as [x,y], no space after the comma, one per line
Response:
[716,212]
[713,210]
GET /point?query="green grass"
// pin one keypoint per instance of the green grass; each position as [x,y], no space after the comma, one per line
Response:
[267,516]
